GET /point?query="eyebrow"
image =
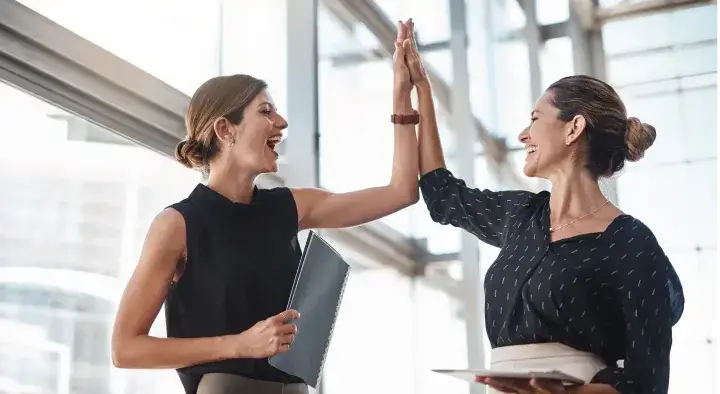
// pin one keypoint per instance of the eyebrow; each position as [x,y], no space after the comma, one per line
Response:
[535,111]
[268,103]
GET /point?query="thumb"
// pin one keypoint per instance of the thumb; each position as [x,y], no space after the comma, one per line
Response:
[399,52]
[407,44]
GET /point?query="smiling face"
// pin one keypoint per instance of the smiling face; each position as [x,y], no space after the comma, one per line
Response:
[550,143]
[250,144]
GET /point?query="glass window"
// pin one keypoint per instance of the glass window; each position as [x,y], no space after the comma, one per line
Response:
[692,24]
[179,45]
[552,11]
[513,89]
[254,41]
[432,18]
[74,214]
[355,102]
[437,315]
[372,348]
[556,61]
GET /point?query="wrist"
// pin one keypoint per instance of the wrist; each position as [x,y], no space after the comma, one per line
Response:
[423,87]
[402,106]
[231,347]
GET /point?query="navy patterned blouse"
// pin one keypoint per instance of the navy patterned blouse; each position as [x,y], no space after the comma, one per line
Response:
[614,293]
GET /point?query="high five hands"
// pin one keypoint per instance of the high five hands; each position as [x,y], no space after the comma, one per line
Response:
[407,64]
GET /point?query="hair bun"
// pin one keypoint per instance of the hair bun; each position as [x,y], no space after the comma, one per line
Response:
[639,138]
[189,153]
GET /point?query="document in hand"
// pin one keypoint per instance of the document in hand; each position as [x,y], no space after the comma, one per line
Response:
[316,294]
[470,374]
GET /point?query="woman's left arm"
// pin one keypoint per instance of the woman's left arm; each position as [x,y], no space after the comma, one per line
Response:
[322,209]
[652,302]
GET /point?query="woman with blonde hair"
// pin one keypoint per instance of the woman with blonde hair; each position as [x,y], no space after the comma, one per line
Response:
[223,260]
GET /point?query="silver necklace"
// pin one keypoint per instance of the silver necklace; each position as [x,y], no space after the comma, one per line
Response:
[581,217]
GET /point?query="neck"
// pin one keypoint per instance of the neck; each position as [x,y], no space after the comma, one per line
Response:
[237,187]
[574,193]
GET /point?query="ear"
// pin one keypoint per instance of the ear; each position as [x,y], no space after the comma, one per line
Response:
[223,131]
[575,129]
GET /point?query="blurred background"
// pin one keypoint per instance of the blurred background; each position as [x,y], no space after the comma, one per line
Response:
[92,99]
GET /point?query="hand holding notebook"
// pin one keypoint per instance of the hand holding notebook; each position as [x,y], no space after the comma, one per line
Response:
[316,294]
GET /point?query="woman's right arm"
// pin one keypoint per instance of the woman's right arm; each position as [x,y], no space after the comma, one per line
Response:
[144,295]
[481,212]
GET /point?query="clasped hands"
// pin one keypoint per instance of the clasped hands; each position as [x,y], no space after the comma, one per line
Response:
[407,65]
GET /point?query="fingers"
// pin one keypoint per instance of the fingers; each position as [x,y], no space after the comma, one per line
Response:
[399,56]
[286,329]
[502,386]
[285,316]
[542,386]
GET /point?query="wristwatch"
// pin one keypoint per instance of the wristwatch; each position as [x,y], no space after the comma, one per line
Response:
[413,118]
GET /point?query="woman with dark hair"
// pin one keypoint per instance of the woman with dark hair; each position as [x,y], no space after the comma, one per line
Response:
[223,260]
[578,284]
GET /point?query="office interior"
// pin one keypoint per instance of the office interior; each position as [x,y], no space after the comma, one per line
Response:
[92,102]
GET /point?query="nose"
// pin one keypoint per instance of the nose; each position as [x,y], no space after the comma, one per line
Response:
[279,122]
[524,135]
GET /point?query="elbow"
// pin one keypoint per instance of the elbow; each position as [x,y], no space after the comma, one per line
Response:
[119,359]
[407,194]
[121,355]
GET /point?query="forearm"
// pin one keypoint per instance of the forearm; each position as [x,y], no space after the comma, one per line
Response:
[429,146]
[146,352]
[593,388]
[405,154]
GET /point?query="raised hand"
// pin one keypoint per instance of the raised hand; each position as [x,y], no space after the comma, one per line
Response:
[402,82]
[418,75]
[268,337]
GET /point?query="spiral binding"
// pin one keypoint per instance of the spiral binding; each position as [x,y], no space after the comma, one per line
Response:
[332,328]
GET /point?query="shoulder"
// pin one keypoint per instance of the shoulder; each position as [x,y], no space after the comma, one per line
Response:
[526,203]
[168,228]
[643,261]
[282,202]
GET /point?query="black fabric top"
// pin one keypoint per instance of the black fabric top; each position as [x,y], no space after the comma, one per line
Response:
[614,293]
[241,263]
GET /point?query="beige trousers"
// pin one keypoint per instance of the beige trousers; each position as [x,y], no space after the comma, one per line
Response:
[546,357]
[222,383]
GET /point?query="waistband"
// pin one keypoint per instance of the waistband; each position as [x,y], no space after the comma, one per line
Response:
[537,351]
[547,357]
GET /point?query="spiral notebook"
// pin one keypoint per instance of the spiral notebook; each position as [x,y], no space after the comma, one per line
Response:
[317,292]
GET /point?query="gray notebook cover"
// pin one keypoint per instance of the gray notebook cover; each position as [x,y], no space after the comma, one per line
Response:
[316,294]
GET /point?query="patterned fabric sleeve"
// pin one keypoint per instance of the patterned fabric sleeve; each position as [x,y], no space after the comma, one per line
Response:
[652,302]
[480,212]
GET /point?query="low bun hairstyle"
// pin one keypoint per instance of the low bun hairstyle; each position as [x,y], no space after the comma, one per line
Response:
[611,138]
[190,154]
[224,96]
[640,137]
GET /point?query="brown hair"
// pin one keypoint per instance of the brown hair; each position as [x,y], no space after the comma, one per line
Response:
[610,136]
[224,96]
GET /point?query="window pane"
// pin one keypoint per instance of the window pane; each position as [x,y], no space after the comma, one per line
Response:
[255,42]
[437,315]
[371,339]
[176,44]
[355,102]
[75,208]
[432,18]
[659,30]
[513,89]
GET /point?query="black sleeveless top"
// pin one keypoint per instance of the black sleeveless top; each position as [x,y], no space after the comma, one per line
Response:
[241,263]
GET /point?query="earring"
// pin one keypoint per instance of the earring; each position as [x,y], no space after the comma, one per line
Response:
[232,142]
